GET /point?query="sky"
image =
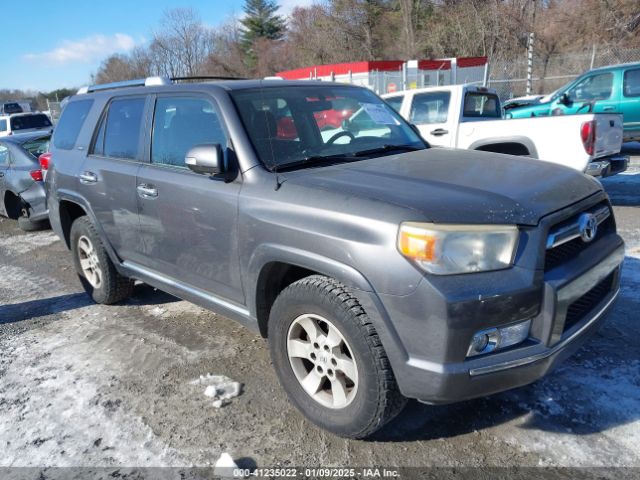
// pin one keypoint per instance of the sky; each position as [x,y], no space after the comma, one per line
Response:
[49,44]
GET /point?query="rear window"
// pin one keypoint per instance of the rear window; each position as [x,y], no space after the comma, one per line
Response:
[71,121]
[10,108]
[119,132]
[481,105]
[37,146]
[24,122]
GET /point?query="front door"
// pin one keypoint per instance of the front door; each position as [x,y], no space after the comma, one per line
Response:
[430,113]
[594,93]
[188,221]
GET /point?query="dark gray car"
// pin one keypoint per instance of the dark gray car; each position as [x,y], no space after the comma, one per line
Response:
[21,179]
[379,269]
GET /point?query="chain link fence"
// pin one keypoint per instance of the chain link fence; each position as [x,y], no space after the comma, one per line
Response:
[509,77]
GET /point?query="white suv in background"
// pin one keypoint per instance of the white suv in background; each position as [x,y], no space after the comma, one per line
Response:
[24,122]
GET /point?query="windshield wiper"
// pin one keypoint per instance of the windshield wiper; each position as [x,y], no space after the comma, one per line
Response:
[386,148]
[313,160]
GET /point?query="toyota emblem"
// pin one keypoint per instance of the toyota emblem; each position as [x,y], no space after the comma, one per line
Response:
[588,224]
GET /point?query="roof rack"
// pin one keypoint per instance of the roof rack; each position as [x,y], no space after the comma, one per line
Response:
[142,82]
[205,77]
[149,82]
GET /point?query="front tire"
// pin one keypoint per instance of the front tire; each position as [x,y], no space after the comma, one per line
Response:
[330,360]
[97,273]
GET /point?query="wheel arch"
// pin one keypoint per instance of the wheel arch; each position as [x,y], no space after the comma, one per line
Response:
[517,145]
[273,267]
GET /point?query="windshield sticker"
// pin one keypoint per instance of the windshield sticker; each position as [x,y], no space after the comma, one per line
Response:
[379,114]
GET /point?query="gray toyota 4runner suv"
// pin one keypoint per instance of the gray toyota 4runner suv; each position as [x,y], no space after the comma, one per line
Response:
[378,268]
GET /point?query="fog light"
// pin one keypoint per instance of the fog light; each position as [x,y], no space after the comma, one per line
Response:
[486,341]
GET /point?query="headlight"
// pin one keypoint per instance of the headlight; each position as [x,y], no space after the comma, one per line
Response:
[450,249]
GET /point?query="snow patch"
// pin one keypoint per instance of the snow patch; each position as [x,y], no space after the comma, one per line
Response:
[219,387]
[19,244]
[225,467]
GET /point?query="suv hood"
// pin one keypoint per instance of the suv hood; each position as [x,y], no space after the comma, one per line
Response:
[457,186]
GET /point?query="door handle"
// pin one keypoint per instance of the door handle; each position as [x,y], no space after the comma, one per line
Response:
[608,109]
[438,132]
[147,191]
[88,178]
[1,174]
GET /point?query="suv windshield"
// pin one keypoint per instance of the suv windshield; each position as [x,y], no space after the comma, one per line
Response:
[24,122]
[297,125]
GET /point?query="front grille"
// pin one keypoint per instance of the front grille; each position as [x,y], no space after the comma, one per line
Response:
[586,303]
[565,252]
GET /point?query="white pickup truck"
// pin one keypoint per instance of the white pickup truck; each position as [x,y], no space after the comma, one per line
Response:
[467,116]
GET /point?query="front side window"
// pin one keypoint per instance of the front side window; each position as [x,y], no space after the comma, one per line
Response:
[3,125]
[631,83]
[119,132]
[180,124]
[71,121]
[593,87]
[430,107]
[288,125]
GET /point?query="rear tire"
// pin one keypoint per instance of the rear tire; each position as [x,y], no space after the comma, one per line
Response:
[330,360]
[97,273]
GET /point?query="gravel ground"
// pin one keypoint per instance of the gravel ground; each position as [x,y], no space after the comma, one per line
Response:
[89,385]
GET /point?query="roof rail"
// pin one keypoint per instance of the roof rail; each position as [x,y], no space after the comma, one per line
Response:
[142,82]
[205,77]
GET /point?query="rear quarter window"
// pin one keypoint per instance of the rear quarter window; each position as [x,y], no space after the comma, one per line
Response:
[71,121]
[631,83]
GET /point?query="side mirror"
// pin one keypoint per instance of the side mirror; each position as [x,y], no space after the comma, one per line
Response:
[564,99]
[206,159]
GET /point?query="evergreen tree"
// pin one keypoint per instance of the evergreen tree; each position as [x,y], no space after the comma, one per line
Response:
[260,22]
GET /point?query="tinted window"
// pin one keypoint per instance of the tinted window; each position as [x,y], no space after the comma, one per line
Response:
[3,125]
[395,102]
[180,124]
[71,121]
[24,122]
[594,87]
[122,129]
[430,108]
[481,105]
[10,108]
[631,83]
[4,155]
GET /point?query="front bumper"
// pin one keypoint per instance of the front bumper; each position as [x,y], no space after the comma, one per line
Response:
[437,372]
[607,166]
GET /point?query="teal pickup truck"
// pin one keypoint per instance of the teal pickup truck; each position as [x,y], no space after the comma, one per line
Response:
[613,89]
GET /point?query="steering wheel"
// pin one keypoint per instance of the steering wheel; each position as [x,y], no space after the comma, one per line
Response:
[343,133]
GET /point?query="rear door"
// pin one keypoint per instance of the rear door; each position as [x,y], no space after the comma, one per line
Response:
[630,102]
[429,111]
[188,221]
[107,178]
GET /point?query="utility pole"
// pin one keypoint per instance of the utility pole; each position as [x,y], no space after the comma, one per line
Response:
[530,42]
[530,62]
